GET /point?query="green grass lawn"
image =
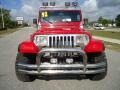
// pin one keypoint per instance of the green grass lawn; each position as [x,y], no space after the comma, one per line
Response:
[108,34]
[3,32]
[112,46]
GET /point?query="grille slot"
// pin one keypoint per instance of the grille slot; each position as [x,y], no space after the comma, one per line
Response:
[61,41]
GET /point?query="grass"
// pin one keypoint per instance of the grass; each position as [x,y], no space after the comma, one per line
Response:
[112,46]
[108,34]
[8,31]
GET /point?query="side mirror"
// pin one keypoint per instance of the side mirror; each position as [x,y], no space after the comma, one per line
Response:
[34,21]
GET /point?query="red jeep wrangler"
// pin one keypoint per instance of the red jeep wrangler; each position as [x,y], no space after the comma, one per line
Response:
[60,46]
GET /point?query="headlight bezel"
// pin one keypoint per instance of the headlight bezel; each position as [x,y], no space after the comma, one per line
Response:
[40,40]
[82,40]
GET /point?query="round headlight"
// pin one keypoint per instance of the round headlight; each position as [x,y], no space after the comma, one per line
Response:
[86,39]
[82,40]
[40,40]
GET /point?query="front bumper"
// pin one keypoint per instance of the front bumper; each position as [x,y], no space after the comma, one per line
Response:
[54,69]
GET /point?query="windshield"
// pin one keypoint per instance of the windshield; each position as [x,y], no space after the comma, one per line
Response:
[60,16]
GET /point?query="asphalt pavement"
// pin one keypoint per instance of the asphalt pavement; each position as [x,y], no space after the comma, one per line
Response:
[8,80]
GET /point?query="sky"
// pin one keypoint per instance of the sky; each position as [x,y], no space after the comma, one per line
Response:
[92,9]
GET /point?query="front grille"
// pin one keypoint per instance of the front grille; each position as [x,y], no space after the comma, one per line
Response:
[61,41]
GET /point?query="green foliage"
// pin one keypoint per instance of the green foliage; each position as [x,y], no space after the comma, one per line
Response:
[25,24]
[7,19]
[117,20]
[6,15]
[108,34]
[12,24]
[104,21]
[100,19]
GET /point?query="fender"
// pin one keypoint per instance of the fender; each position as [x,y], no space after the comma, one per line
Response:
[28,47]
[94,46]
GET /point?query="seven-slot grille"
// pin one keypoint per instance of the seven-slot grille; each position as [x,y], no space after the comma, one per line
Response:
[61,41]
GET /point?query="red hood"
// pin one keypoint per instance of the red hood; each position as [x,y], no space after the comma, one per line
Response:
[60,28]
[59,31]
[47,31]
[59,25]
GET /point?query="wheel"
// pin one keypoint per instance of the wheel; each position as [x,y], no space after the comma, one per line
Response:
[21,76]
[99,76]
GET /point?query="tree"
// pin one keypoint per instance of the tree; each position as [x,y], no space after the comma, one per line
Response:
[7,19]
[12,24]
[112,22]
[117,20]
[104,21]
[100,19]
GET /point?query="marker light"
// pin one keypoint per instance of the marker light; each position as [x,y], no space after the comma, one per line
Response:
[67,3]
[45,3]
[52,3]
[75,4]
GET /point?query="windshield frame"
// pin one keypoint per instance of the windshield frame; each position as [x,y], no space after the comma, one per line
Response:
[58,11]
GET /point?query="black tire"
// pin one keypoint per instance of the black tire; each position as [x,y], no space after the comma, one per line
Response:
[100,76]
[21,76]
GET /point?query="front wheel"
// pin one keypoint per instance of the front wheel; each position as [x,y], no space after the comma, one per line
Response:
[21,76]
[99,76]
